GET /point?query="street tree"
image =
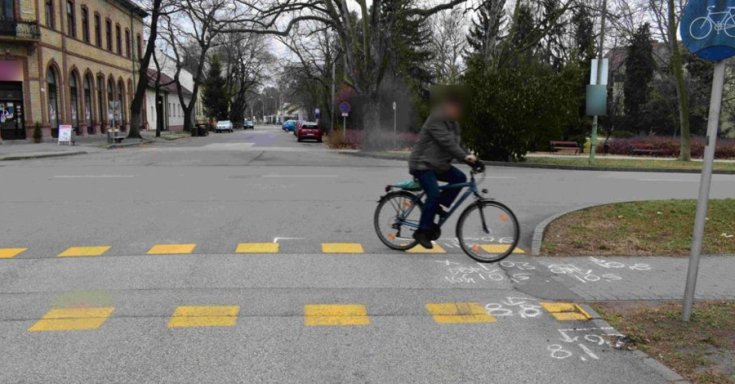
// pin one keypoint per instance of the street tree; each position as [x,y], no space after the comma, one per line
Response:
[639,70]
[215,96]
[448,46]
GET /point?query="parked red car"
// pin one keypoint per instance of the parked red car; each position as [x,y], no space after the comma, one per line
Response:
[308,130]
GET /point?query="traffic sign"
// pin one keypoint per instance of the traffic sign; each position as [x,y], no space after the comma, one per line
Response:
[345,107]
[708,28]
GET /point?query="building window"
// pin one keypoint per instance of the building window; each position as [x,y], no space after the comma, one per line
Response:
[74,101]
[88,103]
[71,20]
[50,14]
[139,43]
[98,30]
[118,40]
[111,104]
[127,43]
[85,24]
[108,32]
[121,116]
[7,10]
[53,101]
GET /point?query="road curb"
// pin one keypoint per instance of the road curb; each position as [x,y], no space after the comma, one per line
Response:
[125,145]
[41,155]
[386,156]
[667,373]
[540,230]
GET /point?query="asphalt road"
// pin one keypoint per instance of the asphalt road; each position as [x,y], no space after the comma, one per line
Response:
[250,324]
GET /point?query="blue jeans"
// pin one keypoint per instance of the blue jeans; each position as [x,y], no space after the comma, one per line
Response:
[429,181]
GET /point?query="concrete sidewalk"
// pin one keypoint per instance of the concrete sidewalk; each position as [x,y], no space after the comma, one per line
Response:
[640,278]
[22,149]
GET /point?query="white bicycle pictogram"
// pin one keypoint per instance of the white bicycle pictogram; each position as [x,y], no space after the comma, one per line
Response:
[702,27]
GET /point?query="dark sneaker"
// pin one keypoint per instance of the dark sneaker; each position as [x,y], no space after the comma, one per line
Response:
[435,233]
[423,239]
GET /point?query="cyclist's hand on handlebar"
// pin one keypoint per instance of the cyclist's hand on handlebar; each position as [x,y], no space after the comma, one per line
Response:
[470,159]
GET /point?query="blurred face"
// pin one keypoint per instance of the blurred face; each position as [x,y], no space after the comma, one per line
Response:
[453,110]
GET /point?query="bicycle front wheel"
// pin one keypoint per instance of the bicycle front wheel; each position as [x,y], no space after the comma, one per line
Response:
[700,28]
[488,231]
[397,218]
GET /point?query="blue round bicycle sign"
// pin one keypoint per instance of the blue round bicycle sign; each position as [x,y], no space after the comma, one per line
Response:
[708,28]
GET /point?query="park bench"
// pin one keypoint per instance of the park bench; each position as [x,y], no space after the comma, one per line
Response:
[116,135]
[645,150]
[559,146]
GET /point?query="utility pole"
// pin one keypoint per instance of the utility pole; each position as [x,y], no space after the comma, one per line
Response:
[596,119]
[334,81]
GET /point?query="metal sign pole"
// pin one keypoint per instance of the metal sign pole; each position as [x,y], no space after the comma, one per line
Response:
[344,127]
[600,56]
[713,123]
[395,127]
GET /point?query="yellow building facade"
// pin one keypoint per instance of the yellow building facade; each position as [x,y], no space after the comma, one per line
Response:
[67,62]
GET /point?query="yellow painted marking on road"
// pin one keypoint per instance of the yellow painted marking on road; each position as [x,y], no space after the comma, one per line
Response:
[172,249]
[419,249]
[85,251]
[335,314]
[72,319]
[204,316]
[342,248]
[257,248]
[9,253]
[566,311]
[500,248]
[459,313]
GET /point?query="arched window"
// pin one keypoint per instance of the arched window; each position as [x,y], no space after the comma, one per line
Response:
[71,19]
[74,101]
[111,104]
[53,100]
[127,43]
[88,103]
[121,102]
[101,103]
[85,24]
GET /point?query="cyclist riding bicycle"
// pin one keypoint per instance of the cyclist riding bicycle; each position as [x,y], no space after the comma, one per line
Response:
[431,161]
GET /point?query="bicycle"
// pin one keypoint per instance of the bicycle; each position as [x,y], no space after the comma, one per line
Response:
[487,230]
[702,26]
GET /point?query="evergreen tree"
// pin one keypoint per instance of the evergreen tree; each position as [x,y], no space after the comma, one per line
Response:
[485,31]
[215,99]
[639,70]
[585,47]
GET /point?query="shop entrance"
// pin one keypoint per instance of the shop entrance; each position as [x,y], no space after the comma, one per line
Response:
[12,125]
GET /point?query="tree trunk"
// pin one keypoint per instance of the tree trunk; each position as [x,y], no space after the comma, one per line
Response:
[685,152]
[371,123]
[136,106]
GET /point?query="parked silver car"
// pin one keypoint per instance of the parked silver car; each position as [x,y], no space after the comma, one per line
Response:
[224,126]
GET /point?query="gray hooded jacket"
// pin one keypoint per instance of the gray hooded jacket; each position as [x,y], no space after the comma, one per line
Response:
[438,144]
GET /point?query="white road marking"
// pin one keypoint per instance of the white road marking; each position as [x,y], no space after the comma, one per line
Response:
[275,176]
[670,180]
[94,176]
[276,239]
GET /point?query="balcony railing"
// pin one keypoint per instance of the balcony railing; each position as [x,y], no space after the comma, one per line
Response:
[20,29]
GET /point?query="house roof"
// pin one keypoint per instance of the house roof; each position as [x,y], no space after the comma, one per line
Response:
[131,6]
[167,83]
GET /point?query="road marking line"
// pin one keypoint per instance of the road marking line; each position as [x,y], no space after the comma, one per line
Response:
[335,315]
[204,316]
[72,319]
[172,249]
[299,176]
[342,248]
[257,248]
[94,176]
[85,251]
[419,249]
[500,248]
[9,253]
[459,313]
[566,311]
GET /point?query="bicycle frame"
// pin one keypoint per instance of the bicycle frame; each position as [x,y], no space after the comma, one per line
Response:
[471,190]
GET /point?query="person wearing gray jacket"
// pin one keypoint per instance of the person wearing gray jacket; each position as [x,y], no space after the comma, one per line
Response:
[439,143]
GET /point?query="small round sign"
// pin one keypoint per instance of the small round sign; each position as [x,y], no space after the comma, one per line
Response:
[707,28]
[345,107]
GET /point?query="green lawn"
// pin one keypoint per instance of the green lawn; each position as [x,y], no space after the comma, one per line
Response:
[702,350]
[601,162]
[640,229]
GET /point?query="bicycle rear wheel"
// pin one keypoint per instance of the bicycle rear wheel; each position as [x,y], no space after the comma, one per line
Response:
[488,231]
[397,218]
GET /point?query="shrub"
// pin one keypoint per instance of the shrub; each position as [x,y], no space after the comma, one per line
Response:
[669,147]
[37,134]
